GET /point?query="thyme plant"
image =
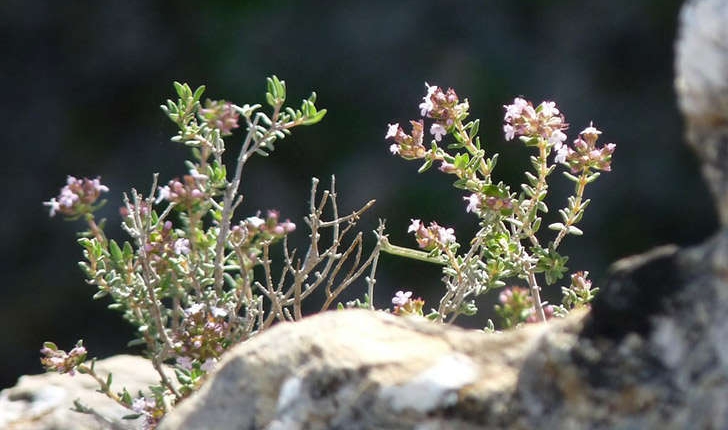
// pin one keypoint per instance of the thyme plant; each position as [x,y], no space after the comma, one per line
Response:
[506,246]
[195,279]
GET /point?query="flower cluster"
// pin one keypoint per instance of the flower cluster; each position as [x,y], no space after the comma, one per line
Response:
[187,193]
[77,197]
[202,336]
[586,155]
[404,304]
[407,146]
[577,295]
[187,278]
[516,307]
[61,361]
[505,246]
[544,121]
[254,230]
[152,409]
[220,115]
[433,236]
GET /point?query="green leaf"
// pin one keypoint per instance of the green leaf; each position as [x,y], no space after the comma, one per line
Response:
[116,255]
[179,89]
[108,381]
[198,93]
[50,345]
[128,252]
[315,118]
[131,416]
[536,224]
[571,177]
[575,231]
[556,226]
[270,99]
[474,128]
[593,177]
[425,166]
[126,397]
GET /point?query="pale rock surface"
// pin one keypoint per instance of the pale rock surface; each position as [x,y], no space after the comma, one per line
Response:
[652,353]
[44,402]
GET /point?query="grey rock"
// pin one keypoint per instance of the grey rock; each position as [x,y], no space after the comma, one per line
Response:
[44,402]
[701,67]
[652,353]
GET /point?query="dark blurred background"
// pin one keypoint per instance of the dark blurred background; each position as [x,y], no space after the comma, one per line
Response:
[83,81]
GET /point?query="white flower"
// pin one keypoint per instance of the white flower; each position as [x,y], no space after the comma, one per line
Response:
[401,298]
[54,205]
[473,203]
[549,109]
[557,139]
[163,194]
[255,221]
[394,148]
[516,109]
[414,226]
[184,362]
[591,130]
[446,235]
[208,365]
[509,131]
[67,197]
[218,312]
[197,175]
[100,188]
[194,309]
[561,154]
[182,246]
[438,131]
[391,130]
[426,106]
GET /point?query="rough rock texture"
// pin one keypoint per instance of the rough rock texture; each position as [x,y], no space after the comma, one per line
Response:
[44,402]
[701,66]
[657,359]
[653,352]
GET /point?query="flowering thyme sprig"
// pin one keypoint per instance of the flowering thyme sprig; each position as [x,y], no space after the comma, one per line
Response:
[506,246]
[193,279]
[404,304]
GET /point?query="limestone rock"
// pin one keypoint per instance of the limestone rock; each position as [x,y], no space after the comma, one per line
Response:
[358,369]
[652,354]
[701,66]
[44,402]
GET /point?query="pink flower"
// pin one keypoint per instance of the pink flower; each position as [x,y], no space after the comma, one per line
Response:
[509,131]
[184,362]
[514,110]
[446,167]
[438,131]
[182,246]
[208,365]
[401,298]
